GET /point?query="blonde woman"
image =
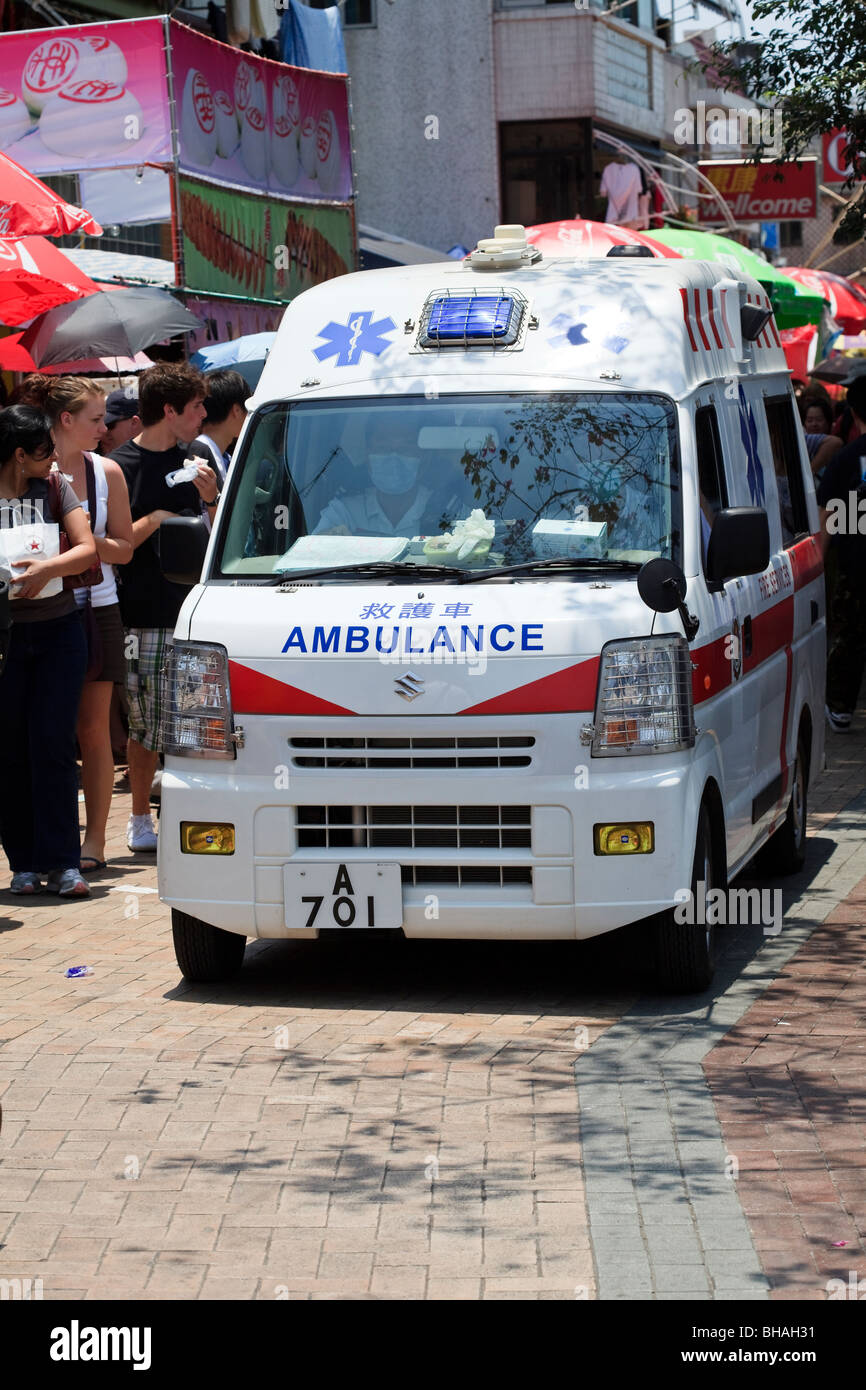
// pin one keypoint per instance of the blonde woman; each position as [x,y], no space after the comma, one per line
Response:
[76,409]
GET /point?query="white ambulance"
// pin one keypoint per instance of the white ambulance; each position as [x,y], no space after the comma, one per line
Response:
[512,620]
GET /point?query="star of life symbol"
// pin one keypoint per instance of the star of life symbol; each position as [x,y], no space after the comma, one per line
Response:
[749,436]
[588,324]
[348,341]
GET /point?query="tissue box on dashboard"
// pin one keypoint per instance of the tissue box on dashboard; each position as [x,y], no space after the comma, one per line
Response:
[567,537]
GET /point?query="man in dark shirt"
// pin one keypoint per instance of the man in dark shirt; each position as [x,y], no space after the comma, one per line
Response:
[842,511]
[171,407]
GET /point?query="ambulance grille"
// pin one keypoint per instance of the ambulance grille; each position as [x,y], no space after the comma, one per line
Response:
[465,875]
[494,751]
[415,827]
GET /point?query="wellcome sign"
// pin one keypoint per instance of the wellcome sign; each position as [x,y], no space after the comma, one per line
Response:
[766,192]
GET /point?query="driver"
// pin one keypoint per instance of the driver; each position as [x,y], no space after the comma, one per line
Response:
[395,501]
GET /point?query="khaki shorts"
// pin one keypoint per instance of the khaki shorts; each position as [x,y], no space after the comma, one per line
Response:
[146,651]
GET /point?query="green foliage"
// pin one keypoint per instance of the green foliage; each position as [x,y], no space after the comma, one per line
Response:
[816,76]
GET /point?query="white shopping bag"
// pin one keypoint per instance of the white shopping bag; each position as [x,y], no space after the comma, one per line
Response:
[25,536]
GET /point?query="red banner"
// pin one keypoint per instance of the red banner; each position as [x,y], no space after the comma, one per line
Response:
[837,168]
[763,192]
[89,96]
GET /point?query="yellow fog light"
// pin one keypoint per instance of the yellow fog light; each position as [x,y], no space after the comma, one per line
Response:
[624,839]
[206,837]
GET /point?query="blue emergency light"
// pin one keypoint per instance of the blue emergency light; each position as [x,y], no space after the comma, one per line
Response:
[471,320]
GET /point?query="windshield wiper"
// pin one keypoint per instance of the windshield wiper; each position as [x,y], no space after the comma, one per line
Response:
[374,567]
[557,562]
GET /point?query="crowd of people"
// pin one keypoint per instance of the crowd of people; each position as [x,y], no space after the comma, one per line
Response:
[94,612]
[83,484]
[836,441]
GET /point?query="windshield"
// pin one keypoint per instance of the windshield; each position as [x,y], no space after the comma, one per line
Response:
[474,482]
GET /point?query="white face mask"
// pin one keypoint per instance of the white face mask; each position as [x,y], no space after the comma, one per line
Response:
[393,474]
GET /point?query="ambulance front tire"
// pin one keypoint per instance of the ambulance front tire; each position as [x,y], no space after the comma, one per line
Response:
[685,951]
[204,953]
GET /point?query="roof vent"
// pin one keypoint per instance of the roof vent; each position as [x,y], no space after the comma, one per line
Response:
[507,249]
[631,252]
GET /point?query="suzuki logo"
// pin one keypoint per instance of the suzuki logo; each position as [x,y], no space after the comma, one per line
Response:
[409,686]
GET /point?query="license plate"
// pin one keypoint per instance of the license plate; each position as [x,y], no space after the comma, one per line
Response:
[343,895]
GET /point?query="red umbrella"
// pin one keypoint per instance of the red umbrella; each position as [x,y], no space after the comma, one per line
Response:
[847,300]
[29,207]
[13,357]
[578,237]
[35,276]
[800,346]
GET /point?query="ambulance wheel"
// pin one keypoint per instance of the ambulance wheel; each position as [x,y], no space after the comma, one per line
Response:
[785,851]
[685,951]
[204,953]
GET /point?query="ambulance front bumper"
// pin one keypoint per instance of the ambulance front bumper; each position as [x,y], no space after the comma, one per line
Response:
[503,853]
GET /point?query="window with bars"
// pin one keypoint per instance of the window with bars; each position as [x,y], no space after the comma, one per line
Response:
[629,69]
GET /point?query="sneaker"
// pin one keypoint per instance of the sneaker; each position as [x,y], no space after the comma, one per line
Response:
[68,883]
[26,884]
[837,720]
[140,834]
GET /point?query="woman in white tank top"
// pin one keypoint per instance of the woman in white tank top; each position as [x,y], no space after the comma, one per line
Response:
[76,407]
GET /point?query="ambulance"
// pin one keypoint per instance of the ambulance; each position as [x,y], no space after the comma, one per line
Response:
[511,624]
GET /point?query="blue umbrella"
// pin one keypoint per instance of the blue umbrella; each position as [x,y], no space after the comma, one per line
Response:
[246,355]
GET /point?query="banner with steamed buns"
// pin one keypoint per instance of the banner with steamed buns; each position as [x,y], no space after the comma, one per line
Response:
[89,96]
[263,248]
[258,124]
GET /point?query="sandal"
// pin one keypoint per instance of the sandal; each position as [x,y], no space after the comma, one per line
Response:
[90,865]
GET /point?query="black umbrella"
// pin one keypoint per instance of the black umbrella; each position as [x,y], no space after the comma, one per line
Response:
[113,323]
[840,370]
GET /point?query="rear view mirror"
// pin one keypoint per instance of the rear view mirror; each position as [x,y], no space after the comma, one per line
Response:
[183,542]
[739,545]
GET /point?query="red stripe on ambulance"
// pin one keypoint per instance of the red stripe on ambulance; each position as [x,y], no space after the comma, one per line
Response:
[684,295]
[254,693]
[565,691]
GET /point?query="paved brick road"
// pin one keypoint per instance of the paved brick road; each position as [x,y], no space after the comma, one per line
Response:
[352,1118]
[356,1117]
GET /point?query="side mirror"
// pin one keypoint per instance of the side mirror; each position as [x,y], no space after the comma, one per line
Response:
[739,545]
[662,586]
[5,622]
[183,542]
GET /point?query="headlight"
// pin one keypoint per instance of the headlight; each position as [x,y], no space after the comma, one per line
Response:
[644,702]
[196,707]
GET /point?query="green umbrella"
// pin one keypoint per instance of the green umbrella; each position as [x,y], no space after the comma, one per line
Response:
[791,306]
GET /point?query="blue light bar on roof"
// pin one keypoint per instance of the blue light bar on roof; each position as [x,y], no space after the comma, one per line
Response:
[471,320]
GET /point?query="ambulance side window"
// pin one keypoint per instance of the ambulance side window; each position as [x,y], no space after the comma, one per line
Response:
[711,470]
[788,468]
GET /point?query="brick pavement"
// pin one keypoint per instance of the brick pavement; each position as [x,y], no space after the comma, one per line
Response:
[352,1118]
[381,1119]
[789,1085]
[719,1158]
